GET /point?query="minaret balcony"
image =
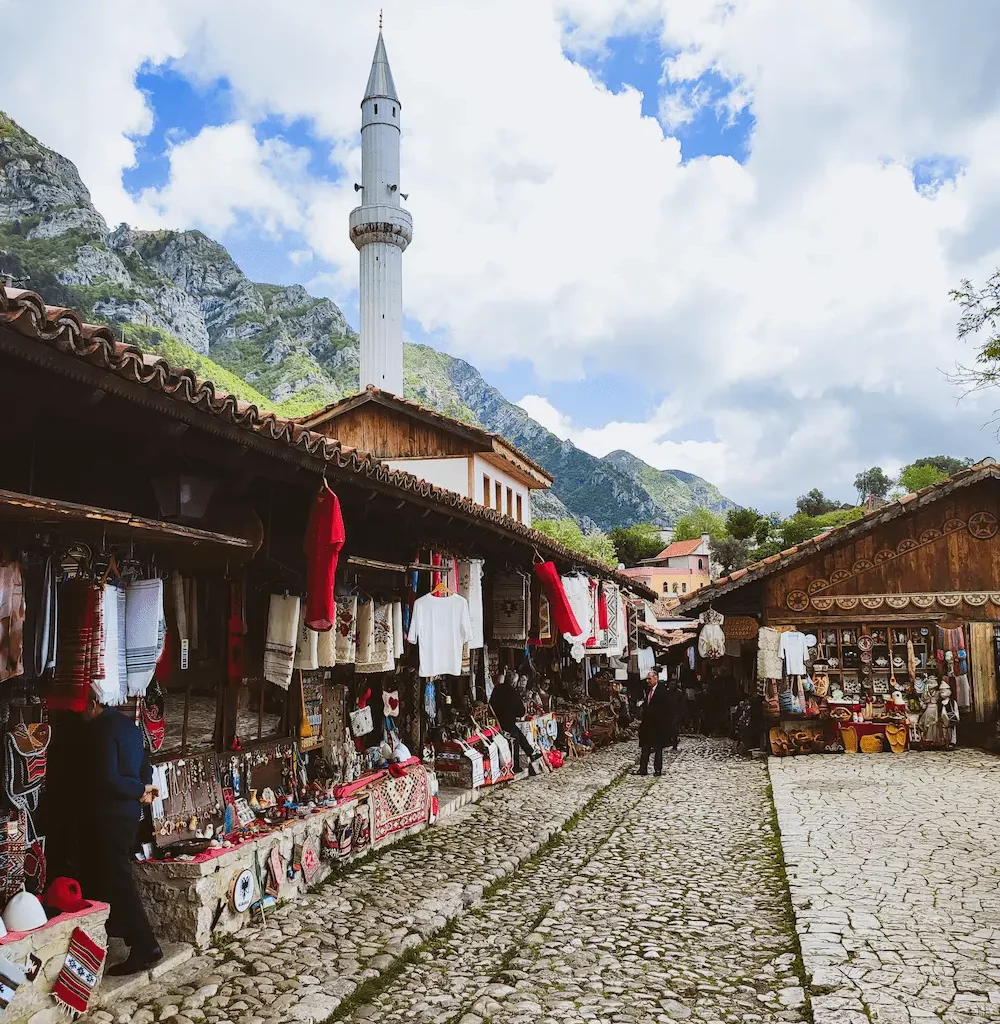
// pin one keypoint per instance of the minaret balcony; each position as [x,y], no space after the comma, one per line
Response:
[381,224]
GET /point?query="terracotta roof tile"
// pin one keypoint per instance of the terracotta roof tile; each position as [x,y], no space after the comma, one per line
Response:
[26,313]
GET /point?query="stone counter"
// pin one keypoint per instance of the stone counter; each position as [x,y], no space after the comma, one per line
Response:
[182,898]
[50,944]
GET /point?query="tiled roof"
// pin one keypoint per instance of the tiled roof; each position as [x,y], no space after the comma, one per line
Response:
[60,329]
[908,503]
[679,549]
[407,405]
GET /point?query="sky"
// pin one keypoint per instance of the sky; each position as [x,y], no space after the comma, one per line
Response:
[720,234]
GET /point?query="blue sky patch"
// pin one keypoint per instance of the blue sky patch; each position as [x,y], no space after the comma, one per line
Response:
[931,172]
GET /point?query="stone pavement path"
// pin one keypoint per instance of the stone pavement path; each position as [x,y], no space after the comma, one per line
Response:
[663,900]
[894,868]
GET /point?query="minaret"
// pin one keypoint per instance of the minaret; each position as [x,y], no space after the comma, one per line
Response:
[381,230]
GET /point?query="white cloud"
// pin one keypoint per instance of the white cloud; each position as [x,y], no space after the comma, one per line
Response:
[797,303]
[542,410]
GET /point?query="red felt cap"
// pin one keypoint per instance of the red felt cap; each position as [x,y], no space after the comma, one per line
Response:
[64,895]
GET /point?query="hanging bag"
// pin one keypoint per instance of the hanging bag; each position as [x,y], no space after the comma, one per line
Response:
[772,707]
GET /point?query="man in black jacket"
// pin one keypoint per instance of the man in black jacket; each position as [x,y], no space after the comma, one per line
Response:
[660,725]
[508,707]
[118,785]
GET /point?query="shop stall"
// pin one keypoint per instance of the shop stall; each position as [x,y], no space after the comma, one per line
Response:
[301,634]
[877,637]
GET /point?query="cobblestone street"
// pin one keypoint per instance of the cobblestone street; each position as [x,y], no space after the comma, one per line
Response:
[893,864]
[662,900]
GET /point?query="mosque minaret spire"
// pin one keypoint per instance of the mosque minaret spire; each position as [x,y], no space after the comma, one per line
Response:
[381,229]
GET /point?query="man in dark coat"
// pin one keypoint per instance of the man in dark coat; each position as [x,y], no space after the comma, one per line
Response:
[654,729]
[508,707]
[118,784]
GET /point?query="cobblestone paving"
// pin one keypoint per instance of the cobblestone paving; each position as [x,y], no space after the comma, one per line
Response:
[662,901]
[665,902]
[894,864]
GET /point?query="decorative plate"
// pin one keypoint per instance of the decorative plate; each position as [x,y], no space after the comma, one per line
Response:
[865,643]
[242,891]
[811,640]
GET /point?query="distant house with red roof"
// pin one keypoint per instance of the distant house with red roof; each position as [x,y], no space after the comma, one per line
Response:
[680,568]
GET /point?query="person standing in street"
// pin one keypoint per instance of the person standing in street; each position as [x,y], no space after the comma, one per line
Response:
[675,711]
[118,784]
[654,729]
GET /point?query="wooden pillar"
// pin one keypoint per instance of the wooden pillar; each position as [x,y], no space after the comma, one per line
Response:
[984,672]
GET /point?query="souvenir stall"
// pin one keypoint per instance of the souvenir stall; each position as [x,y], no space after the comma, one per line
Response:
[880,636]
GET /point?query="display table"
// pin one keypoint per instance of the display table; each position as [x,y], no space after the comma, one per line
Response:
[862,729]
[188,900]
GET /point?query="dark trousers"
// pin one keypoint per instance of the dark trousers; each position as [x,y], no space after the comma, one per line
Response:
[673,734]
[520,743]
[109,857]
[644,760]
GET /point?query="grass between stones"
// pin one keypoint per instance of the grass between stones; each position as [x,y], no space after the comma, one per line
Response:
[787,910]
[368,990]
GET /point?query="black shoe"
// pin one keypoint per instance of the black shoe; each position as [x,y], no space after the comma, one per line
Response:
[657,774]
[640,773]
[136,963]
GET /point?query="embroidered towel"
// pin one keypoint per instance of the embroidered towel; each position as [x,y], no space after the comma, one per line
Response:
[145,631]
[78,977]
[307,649]
[365,630]
[347,630]
[282,633]
[380,657]
[326,648]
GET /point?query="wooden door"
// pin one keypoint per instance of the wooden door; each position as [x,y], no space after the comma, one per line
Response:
[984,671]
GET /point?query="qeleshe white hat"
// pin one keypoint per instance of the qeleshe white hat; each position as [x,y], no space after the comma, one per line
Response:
[24,913]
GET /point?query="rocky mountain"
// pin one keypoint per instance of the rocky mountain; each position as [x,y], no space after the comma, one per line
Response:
[180,294]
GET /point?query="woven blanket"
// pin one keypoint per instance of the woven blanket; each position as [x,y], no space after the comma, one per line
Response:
[347,630]
[71,681]
[279,647]
[510,609]
[78,977]
[145,632]
[400,804]
[112,692]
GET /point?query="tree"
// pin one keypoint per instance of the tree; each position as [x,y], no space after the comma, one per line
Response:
[595,544]
[697,522]
[742,523]
[947,464]
[815,503]
[872,483]
[980,320]
[914,477]
[729,553]
[638,542]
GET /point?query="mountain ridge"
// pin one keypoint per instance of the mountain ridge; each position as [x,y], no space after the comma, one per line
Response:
[181,294]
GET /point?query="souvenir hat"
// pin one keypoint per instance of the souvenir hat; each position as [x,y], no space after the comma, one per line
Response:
[24,913]
[64,895]
[401,753]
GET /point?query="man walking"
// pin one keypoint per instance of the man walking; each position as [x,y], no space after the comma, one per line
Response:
[675,710]
[118,784]
[654,731]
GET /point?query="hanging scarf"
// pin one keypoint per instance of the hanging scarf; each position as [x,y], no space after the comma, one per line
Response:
[109,682]
[70,688]
[11,620]
[145,633]
[79,974]
[279,647]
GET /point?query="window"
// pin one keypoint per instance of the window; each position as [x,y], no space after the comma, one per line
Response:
[510,502]
[701,563]
[519,509]
[393,111]
[684,588]
[376,108]
[486,490]
[666,587]
[675,587]
[498,493]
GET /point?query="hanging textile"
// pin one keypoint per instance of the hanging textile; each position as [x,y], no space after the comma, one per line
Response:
[347,630]
[768,653]
[70,687]
[107,686]
[282,634]
[325,537]
[398,635]
[145,632]
[177,592]
[11,620]
[48,621]
[78,978]
[191,610]
[365,630]
[510,609]
[32,576]
[612,606]
[381,657]
[577,590]
[326,648]
[470,586]
[306,649]
[13,850]
[152,716]
[563,617]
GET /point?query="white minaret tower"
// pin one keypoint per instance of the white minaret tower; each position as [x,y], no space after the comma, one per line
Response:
[381,230]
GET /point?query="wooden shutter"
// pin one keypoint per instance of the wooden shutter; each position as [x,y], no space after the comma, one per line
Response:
[984,671]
